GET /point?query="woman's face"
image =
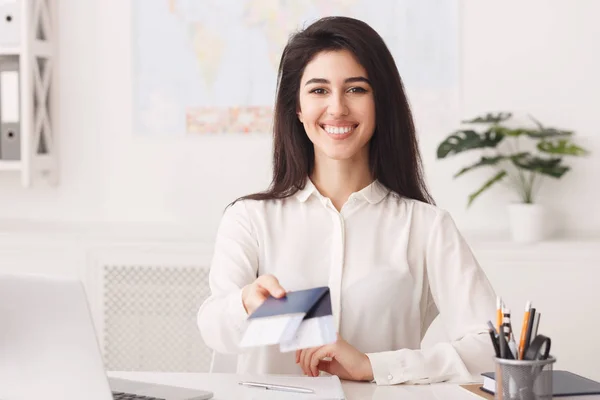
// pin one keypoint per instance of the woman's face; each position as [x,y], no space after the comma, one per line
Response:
[337,107]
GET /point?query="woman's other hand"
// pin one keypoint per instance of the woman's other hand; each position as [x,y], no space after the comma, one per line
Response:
[346,361]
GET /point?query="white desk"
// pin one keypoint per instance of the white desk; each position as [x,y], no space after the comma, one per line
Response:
[225,387]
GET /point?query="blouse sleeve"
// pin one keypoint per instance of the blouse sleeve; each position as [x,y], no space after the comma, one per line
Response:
[465,300]
[234,265]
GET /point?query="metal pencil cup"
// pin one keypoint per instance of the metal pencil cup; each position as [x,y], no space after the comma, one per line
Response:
[523,379]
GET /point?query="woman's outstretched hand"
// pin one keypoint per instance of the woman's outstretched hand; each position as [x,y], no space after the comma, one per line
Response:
[346,361]
[254,294]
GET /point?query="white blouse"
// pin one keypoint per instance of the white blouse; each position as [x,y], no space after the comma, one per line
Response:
[392,265]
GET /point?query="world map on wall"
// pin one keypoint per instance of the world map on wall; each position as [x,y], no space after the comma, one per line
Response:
[210,66]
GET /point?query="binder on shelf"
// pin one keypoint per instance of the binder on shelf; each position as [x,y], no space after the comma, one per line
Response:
[10,119]
[10,22]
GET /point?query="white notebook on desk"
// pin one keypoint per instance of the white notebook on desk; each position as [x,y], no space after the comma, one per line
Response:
[324,387]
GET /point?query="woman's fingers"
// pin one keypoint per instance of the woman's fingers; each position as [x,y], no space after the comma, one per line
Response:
[271,285]
[306,359]
[301,360]
[318,355]
[256,293]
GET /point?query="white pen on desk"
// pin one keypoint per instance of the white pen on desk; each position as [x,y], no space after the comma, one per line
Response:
[283,388]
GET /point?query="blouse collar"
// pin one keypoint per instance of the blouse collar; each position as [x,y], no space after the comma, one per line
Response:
[373,193]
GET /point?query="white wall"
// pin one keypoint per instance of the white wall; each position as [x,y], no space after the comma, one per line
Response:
[538,56]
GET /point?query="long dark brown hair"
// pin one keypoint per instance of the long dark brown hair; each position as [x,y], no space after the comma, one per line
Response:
[394,158]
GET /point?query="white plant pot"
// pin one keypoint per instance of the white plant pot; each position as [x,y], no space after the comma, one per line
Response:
[526,222]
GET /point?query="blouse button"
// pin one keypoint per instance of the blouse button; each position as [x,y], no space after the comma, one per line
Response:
[390,377]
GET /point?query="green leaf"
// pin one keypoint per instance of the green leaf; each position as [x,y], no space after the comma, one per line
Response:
[486,186]
[502,130]
[550,167]
[465,140]
[562,147]
[489,118]
[547,133]
[540,133]
[544,132]
[483,162]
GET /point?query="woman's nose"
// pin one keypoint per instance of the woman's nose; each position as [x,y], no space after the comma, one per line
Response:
[337,106]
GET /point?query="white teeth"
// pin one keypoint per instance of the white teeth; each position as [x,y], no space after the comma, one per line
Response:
[338,130]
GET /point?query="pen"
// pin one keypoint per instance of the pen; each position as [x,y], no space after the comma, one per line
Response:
[492,331]
[507,350]
[510,337]
[524,330]
[512,345]
[530,326]
[536,323]
[492,328]
[282,388]
[503,343]
[506,323]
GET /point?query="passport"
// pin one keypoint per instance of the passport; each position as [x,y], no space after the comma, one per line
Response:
[301,319]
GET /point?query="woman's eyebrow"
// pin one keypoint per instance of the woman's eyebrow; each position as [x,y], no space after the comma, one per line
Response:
[357,79]
[348,80]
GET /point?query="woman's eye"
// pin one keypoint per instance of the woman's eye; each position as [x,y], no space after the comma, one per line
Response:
[318,91]
[357,90]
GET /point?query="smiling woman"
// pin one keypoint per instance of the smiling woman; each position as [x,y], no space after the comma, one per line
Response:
[335,56]
[348,209]
[337,107]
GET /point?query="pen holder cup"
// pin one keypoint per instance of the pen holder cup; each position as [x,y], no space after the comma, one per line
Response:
[523,379]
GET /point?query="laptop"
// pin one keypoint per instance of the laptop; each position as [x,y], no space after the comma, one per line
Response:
[49,348]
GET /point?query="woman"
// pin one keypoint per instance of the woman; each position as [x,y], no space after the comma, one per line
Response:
[348,209]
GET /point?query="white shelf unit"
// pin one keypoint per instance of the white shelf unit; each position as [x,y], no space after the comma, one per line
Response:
[31,43]
[10,165]
[9,50]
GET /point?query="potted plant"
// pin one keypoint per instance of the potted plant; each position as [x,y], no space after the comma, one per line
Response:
[521,157]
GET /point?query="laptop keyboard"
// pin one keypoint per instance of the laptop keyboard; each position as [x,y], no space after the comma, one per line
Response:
[130,396]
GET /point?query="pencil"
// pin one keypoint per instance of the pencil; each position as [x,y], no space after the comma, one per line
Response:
[499,312]
[524,330]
